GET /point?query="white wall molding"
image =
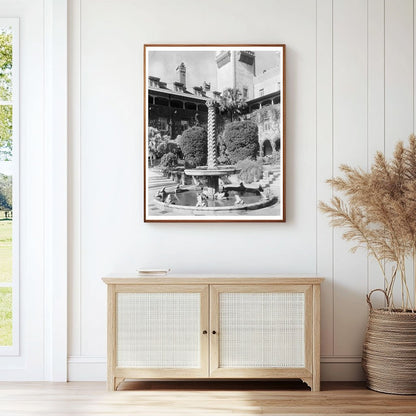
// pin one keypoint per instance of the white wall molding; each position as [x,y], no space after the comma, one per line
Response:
[56,142]
[341,368]
[340,371]
[29,364]
[74,179]
[83,368]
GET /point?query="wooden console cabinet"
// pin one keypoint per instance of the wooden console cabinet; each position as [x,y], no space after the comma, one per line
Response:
[214,327]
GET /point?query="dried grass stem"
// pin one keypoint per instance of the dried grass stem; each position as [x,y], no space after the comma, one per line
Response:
[378,212]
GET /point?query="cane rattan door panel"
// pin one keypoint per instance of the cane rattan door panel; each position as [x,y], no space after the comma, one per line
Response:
[158,330]
[261,330]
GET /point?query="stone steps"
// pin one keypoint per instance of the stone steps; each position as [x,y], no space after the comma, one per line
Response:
[271,180]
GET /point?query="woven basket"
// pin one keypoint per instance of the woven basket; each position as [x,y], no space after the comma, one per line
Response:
[389,352]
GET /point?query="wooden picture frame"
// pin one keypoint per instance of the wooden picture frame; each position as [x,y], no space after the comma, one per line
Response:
[214,133]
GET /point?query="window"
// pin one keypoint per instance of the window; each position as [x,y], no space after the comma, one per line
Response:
[161,101]
[261,92]
[245,92]
[9,291]
[176,104]
[179,87]
[190,106]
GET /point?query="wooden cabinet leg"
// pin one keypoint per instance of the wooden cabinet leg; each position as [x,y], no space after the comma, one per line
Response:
[117,382]
[308,381]
[316,383]
[110,383]
[313,383]
[114,382]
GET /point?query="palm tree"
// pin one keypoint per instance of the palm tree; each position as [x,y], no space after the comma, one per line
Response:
[233,103]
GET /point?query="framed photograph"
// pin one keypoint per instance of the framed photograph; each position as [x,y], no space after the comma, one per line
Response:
[214,133]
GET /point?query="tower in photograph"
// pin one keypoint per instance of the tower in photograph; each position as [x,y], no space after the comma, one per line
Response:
[181,71]
[236,69]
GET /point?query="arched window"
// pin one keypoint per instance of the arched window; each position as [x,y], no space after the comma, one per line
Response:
[267,148]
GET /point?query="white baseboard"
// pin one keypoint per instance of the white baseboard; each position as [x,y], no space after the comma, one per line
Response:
[86,368]
[338,368]
[341,368]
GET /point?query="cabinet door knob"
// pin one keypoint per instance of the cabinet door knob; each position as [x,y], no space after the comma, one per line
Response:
[214,332]
[205,332]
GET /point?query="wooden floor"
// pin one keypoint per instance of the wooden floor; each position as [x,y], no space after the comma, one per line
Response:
[198,398]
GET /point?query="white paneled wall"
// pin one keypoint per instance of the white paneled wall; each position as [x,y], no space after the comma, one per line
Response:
[399,77]
[349,112]
[350,92]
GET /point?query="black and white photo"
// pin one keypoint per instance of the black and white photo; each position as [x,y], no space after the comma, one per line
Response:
[214,140]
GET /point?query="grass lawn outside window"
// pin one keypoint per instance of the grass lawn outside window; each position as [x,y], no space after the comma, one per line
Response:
[6,315]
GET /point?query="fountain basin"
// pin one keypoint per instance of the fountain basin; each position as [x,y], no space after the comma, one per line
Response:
[187,200]
[205,171]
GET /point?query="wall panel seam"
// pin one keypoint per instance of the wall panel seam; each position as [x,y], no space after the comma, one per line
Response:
[332,175]
[316,137]
[80,177]
[367,90]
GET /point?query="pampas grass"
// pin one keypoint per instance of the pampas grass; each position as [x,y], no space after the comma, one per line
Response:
[378,213]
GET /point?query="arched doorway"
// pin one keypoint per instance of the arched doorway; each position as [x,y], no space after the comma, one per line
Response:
[277,144]
[267,148]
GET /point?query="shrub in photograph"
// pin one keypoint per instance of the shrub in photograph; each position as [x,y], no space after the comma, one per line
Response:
[241,140]
[250,170]
[168,146]
[193,144]
[169,160]
[272,159]
[154,139]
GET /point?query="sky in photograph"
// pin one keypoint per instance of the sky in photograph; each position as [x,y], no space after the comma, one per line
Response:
[200,66]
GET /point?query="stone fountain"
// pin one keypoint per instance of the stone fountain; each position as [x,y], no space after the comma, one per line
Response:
[205,193]
[212,172]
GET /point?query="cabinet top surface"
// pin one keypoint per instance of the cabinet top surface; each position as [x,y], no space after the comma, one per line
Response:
[172,278]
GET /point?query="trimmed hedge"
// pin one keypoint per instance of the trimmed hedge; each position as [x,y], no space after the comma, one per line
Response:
[194,148]
[168,147]
[169,160]
[242,140]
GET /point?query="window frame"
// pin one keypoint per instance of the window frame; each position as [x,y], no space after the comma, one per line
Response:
[245,92]
[14,349]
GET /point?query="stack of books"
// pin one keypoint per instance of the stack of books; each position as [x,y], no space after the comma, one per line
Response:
[152,272]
